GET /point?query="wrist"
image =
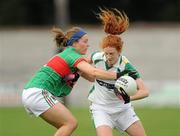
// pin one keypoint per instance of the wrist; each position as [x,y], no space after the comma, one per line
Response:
[118,75]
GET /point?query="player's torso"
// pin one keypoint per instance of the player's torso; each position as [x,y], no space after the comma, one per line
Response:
[102,92]
[50,76]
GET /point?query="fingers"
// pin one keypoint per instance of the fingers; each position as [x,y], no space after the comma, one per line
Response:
[125,96]
[122,95]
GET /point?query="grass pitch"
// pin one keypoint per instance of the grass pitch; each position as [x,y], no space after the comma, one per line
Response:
[157,122]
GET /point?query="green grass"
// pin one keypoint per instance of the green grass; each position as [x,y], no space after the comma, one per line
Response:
[157,122]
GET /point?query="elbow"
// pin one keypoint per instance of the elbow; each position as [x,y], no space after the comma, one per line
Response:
[90,76]
[91,80]
[93,74]
[146,93]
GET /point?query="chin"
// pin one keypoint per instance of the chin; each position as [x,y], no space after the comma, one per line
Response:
[83,53]
[111,63]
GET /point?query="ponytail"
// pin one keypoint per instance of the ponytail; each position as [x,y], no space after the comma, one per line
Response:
[60,37]
[67,39]
[114,21]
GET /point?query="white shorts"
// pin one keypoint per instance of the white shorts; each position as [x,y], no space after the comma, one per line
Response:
[36,101]
[119,120]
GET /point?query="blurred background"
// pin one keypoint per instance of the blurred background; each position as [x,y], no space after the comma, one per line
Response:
[152,44]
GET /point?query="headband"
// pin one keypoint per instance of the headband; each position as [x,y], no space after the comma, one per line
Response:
[75,37]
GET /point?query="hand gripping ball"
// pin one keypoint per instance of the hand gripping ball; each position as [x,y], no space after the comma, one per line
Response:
[127,83]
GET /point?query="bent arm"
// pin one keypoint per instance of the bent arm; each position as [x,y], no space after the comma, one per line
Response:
[88,77]
[86,68]
[142,91]
[89,60]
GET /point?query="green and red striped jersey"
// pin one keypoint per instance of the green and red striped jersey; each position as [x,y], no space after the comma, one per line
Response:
[50,76]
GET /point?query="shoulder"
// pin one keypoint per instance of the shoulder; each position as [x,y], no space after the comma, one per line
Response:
[73,51]
[70,53]
[71,56]
[130,66]
[124,60]
[97,56]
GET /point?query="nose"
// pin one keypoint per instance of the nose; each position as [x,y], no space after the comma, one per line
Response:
[88,45]
[108,57]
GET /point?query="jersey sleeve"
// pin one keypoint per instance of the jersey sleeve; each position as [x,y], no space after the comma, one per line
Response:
[129,66]
[77,61]
[72,57]
[96,56]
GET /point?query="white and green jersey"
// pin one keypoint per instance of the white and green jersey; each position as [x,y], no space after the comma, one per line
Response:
[102,91]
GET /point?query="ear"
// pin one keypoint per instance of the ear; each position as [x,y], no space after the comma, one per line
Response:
[75,44]
[119,52]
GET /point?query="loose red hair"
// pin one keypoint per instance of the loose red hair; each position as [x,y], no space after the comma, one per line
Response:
[115,23]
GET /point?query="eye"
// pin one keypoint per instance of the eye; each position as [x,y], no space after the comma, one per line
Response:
[86,41]
[106,53]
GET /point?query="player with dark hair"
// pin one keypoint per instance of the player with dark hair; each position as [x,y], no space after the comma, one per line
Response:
[111,108]
[57,78]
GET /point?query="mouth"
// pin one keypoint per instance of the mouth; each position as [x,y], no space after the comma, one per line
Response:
[85,50]
[109,60]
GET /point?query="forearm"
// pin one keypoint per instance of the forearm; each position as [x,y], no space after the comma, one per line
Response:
[86,68]
[101,74]
[88,77]
[142,91]
[140,94]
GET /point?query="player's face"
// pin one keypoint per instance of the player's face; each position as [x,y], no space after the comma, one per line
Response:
[82,44]
[111,54]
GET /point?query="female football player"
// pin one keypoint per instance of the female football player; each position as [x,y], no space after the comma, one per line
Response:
[111,108]
[57,78]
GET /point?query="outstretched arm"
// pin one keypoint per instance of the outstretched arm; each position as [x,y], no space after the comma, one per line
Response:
[87,77]
[86,68]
